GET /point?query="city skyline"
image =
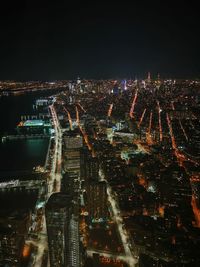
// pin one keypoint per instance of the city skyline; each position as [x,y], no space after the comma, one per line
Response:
[100,173]
[99,134]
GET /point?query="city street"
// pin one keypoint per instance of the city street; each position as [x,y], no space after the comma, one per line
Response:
[129,253]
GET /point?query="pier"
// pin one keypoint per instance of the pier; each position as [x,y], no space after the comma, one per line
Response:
[34,127]
[41,116]
[24,136]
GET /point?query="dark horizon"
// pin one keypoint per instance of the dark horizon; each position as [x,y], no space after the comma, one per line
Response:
[61,41]
[138,77]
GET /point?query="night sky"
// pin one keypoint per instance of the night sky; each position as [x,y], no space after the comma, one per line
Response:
[65,39]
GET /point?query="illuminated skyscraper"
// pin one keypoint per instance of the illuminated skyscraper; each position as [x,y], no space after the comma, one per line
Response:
[124,85]
[148,78]
[72,163]
[58,214]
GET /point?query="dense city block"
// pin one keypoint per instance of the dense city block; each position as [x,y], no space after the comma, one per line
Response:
[121,181]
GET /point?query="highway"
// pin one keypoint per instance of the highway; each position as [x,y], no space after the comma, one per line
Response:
[55,174]
[56,165]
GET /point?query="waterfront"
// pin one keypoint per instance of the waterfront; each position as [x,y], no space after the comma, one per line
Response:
[22,154]
[19,155]
[12,107]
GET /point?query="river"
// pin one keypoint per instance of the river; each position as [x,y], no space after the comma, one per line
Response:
[19,155]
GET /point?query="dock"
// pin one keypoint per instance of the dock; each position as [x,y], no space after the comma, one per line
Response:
[24,136]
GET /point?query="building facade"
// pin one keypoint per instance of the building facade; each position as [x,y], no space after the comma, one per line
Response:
[58,214]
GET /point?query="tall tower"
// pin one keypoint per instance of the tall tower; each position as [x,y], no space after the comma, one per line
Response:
[149,77]
[125,85]
[58,214]
[158,82]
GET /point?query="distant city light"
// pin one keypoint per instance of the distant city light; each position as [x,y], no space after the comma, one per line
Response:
[9,183]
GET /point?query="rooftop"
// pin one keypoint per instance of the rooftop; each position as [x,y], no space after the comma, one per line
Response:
[34,123]
[58,200]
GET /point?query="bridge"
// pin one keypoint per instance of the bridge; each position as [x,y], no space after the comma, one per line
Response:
[30,184]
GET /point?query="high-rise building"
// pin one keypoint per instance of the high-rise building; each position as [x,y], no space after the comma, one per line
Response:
[90,124]
[72,163]
[149,77]
[69,185]
[97,200]
[89,166]
[58,215]
[73,143]
[74,252]
[72,148]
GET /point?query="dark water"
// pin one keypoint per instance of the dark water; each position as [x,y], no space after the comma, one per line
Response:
[19,154]
[12,107]
[22,154]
